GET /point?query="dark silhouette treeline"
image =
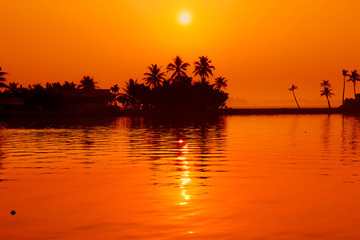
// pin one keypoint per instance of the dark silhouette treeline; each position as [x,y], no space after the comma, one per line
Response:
[351,104]
[178,91]
[48,97]
[157,92]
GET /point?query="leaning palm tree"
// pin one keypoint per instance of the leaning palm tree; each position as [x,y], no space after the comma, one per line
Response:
[345,74]
[292,89]
[178,68]
[203,68]
[3,79]
[154,77]
[327,91]
[353,77]
[220,82]
[87,83]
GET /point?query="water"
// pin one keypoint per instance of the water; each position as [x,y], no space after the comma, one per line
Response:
[238,177]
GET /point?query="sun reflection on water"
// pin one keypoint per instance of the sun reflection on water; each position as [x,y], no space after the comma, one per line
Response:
[185,176]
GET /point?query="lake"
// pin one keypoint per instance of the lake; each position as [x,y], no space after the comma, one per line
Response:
[228,177]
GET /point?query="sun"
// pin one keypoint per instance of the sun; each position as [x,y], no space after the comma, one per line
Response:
[184,18]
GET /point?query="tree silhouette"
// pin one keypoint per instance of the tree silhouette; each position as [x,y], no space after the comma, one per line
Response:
[114,90]
[353,77]
[327,91]
[127,98]
[345,74]
[87,83]
[13,87]
[68,85]
[136,96]
[325,83]
[154,77]
[292,89]
[178,68]
[220,82]
[203,68]
[3,79]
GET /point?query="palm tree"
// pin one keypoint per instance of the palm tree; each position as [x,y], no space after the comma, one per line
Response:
[203,68]
[345,74]
[353,77]
[220,82]
[13,87]
[3,79]
[155,77]
[292,89]
[178,68]
[127,98]
[129,86]
[327,91]
[114,89]
[136,96]
[325,83]
[87,83]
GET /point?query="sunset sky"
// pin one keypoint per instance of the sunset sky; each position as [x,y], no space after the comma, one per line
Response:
[262,47]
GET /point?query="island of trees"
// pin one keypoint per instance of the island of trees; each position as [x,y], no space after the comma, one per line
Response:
[169,89]
[178,91]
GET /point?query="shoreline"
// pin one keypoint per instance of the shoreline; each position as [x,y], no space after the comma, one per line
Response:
[182,113]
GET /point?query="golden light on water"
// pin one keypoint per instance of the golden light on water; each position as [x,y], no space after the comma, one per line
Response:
[185,177]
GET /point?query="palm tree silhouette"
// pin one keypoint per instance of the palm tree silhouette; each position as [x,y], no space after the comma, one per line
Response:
[87,83]
[129,86]
[3,79]
[325,83]
[353,77]
[203,68]
[178,68]
[114,89]
[136,96]
[327,91]
[155,77]
[345,74]
[292,89]
[127,98]
[220,82]
[13,87]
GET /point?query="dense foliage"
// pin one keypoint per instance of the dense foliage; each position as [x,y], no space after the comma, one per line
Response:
[157,92]
[38,97]
[179,91]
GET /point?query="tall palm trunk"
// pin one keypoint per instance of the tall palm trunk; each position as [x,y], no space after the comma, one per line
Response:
[343,97]
[328,101]
[296,100]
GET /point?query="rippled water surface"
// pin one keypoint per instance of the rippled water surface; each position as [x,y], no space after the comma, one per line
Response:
[238,177]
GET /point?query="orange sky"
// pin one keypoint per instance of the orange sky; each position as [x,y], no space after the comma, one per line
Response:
[262,47]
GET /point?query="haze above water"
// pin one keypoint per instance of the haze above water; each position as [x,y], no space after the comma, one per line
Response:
[238,177]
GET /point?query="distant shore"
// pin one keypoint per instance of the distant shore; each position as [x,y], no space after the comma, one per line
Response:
[275,111]
[185,113]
